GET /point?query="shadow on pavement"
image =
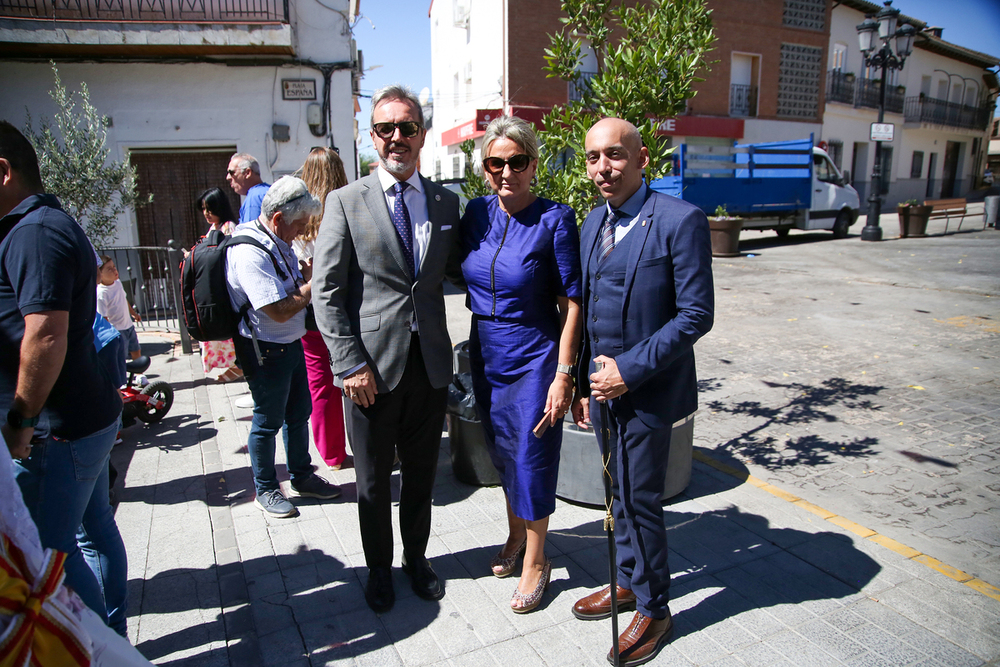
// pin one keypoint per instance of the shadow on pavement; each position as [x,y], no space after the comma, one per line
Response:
[744,563]
[807,403]
[728,562]
[308,592]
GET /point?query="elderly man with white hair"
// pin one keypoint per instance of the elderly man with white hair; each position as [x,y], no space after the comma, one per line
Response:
[269,346]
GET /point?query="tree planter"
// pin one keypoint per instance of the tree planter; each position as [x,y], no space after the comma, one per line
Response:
[725,236]
[913,220]
[580,465]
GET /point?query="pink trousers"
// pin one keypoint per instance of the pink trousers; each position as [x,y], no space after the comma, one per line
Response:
[327,401]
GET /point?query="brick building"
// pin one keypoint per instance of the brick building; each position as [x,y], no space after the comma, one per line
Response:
[778,75]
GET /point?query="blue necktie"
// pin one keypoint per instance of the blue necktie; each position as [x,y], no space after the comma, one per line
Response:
[401,220]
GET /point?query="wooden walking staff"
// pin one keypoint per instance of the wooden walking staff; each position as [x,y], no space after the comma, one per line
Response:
[609,522]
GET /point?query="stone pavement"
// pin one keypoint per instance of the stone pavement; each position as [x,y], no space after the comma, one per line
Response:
[849,402]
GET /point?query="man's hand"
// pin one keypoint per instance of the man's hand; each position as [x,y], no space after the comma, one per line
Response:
[307,270]
[360,387]
[581,411]
[607,382]
[18,441]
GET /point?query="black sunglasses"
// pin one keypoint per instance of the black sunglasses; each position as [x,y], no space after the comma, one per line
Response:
[495,165]
[408,129]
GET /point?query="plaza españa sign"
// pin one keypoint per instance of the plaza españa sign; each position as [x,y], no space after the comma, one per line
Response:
[298,89]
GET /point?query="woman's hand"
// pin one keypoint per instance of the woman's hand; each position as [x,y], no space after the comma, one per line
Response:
[560,398]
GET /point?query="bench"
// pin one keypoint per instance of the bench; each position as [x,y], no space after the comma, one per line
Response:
[947,209]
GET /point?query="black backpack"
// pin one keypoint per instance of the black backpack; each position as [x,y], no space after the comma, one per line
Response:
[208,314]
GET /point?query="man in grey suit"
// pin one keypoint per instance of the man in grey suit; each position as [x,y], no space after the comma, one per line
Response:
[385,245]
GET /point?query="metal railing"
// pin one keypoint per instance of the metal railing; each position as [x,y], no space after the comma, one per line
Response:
[845,88]
[840,86]
[577,90]
[146,11]
[742,100]
[151,277]
[866,94]
[924,109]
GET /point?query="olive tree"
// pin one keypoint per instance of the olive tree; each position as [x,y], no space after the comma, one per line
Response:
[649,54]
[73,160]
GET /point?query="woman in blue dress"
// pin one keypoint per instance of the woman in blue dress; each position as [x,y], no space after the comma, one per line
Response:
[523,272]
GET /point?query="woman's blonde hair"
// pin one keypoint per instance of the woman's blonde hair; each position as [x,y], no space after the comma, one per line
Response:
[323,172]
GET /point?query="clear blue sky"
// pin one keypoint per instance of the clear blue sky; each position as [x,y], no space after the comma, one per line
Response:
[395,36]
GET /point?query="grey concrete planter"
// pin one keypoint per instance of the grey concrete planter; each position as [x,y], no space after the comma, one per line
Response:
[580,465]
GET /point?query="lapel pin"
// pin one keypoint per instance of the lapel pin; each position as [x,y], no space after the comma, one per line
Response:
[643,223]
[437,197]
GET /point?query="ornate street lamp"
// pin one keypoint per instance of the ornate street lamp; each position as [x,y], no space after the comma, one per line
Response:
[874,35]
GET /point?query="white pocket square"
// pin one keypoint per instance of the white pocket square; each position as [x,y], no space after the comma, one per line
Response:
[445,227]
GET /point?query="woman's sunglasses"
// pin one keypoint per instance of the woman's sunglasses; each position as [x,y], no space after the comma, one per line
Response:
[408,129]
[495,165]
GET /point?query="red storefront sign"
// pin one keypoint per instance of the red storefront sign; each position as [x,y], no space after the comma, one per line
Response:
[702,126]
[473,129]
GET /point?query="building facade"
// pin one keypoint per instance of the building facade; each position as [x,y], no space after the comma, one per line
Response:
[185,85]
[941,104]
[781,73]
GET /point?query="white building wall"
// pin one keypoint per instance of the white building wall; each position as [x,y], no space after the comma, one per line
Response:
[466,74]
[199,105]
[849,125]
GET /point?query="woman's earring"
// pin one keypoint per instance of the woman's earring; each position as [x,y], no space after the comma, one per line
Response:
[534,180]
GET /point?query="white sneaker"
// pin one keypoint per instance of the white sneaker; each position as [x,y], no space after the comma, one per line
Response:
[142,380]
[244,402]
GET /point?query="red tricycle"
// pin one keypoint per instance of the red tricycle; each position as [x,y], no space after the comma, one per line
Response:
[148,402]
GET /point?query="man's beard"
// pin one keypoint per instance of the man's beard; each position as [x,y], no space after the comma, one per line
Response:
[395,167]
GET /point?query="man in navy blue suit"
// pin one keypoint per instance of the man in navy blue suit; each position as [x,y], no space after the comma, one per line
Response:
[647,297]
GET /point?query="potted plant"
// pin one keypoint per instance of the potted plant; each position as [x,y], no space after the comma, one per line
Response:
[913,218]
[725,231]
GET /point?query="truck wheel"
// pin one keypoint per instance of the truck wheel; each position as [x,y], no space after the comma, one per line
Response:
[842,224]
[782,232]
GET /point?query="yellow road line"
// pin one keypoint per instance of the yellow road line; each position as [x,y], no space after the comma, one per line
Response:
[978,585]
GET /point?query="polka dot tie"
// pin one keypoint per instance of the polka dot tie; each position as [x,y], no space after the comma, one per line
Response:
[401,220]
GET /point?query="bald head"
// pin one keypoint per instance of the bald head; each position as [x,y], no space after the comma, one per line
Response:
[615,159]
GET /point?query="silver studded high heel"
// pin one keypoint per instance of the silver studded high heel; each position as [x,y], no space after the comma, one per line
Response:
[530,601]
[504,567]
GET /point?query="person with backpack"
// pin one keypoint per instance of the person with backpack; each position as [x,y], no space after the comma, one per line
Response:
[262,273]
[214,205]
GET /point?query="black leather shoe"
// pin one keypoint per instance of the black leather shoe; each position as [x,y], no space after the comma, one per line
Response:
[378,593]
[424,580]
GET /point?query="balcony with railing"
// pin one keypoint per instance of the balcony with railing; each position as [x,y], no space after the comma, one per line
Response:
[922,109]
[149,11]
[143,28]
[840,86]
[845,88]
[742,100]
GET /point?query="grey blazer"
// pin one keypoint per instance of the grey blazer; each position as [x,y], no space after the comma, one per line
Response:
[364,296]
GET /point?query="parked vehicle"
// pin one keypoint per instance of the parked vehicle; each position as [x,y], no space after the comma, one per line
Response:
[778,185]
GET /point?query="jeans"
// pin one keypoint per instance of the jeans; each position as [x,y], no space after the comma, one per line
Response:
[65,486]
[280,402]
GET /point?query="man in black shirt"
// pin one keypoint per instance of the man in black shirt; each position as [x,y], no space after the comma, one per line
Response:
[62,408]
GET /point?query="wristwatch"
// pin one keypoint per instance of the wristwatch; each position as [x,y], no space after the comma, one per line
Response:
[16,420]
[564,368]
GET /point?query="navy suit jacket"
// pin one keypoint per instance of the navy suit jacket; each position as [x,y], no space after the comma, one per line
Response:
[669,304]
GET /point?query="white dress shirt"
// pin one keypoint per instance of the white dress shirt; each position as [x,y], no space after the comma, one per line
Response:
[416,205]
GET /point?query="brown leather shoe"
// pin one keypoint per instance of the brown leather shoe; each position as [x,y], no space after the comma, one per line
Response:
[598,605]
[642,639]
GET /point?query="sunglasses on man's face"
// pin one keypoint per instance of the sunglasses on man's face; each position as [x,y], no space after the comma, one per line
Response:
[495,165]
[408,129]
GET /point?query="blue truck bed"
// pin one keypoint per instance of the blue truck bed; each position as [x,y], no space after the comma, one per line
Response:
[749,180]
